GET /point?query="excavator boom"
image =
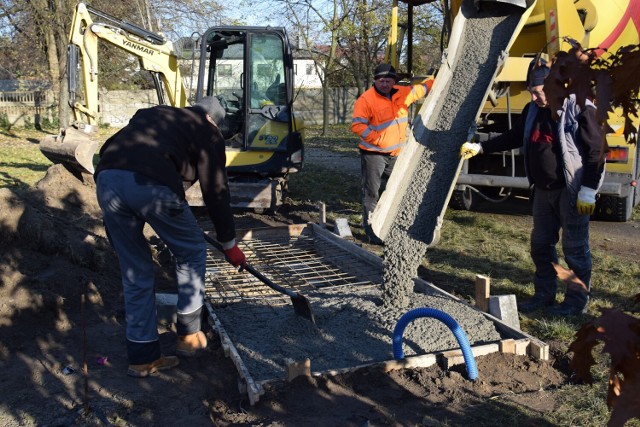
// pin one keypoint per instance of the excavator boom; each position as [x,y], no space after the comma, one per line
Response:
[74,146]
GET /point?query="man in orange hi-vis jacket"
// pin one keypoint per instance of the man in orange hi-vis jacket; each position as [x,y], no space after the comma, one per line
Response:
[380,118]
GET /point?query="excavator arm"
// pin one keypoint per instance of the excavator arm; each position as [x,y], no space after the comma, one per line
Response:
[154,53]
[73,145]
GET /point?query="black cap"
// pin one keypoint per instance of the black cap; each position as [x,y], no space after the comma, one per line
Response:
[537,72]
[385,70]
[211,106]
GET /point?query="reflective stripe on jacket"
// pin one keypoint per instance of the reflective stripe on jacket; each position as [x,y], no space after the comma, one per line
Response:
[381,122]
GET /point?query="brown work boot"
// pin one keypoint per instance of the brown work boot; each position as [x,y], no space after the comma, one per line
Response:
[188,345]
[146,369]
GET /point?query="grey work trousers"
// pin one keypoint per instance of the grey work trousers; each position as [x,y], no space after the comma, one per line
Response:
[375,170]
[129,200]
[552,213]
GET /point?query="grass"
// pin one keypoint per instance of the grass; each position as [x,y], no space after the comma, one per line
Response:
[21,163]
[471,243]
[476,243]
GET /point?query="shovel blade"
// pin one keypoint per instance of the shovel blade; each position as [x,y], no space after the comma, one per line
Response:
[302,307]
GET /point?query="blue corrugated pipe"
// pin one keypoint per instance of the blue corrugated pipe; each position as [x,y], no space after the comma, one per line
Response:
[408,317]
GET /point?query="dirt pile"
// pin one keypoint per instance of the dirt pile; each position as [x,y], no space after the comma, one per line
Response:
[59,216]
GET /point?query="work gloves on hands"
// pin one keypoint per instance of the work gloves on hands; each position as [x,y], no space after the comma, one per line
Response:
[470,149]
[586,204]
[235,256]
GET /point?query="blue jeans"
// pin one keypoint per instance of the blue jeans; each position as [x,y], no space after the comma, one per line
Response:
[129,200]
[552,212]
[375,170]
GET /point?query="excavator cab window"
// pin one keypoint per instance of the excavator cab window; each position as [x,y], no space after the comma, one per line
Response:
[225,81]
[247,72]
[268,117]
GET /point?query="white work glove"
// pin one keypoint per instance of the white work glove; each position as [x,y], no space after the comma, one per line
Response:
[586,204]
[470,149]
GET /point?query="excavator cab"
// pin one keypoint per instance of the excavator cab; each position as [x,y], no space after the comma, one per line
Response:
[250,70]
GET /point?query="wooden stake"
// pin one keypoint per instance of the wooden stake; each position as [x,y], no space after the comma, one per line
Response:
[483,292]
[296,369]
[323,214]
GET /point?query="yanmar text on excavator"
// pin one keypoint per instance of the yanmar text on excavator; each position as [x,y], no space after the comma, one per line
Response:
[249,69]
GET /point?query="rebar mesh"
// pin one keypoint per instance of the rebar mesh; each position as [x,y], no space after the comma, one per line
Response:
[303,263]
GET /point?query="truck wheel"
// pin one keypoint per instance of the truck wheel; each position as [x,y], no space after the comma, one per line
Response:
[461,199]
[612,208]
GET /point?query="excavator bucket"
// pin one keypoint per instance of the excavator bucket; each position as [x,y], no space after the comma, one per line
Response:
[72,146]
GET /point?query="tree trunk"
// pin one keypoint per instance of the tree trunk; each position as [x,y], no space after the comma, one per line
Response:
[325,107]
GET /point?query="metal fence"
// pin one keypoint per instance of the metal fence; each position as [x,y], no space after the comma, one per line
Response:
[26,108]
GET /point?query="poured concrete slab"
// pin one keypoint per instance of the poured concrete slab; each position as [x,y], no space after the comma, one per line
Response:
[265,339]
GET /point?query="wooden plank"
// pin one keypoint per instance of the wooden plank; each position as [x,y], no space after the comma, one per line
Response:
[270,232]
[455,357]
[483,292]
[522,346]
[419,361]
[422,361]
[298,368]
[322,211]
[508,346]
[539,350]
[254,390]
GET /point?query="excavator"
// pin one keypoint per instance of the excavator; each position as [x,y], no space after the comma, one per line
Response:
[249,69]
[499,91]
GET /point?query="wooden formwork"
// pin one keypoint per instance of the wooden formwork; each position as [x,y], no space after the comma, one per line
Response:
[348,262]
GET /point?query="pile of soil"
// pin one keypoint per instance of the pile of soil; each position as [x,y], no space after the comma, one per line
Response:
[61,315]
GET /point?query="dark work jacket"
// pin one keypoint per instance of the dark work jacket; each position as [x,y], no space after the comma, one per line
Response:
[582,145]
[176,147]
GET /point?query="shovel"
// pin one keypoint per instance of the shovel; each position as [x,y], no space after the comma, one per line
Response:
[300,303]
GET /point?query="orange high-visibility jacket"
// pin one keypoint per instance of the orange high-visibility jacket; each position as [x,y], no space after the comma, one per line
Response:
[381,122]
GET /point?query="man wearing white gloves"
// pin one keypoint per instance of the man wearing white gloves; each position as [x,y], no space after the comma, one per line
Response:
[564,161]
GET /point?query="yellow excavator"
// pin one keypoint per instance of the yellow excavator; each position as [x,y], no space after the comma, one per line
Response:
[249,69]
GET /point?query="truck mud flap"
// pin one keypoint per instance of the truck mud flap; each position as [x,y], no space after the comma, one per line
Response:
[413,205]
